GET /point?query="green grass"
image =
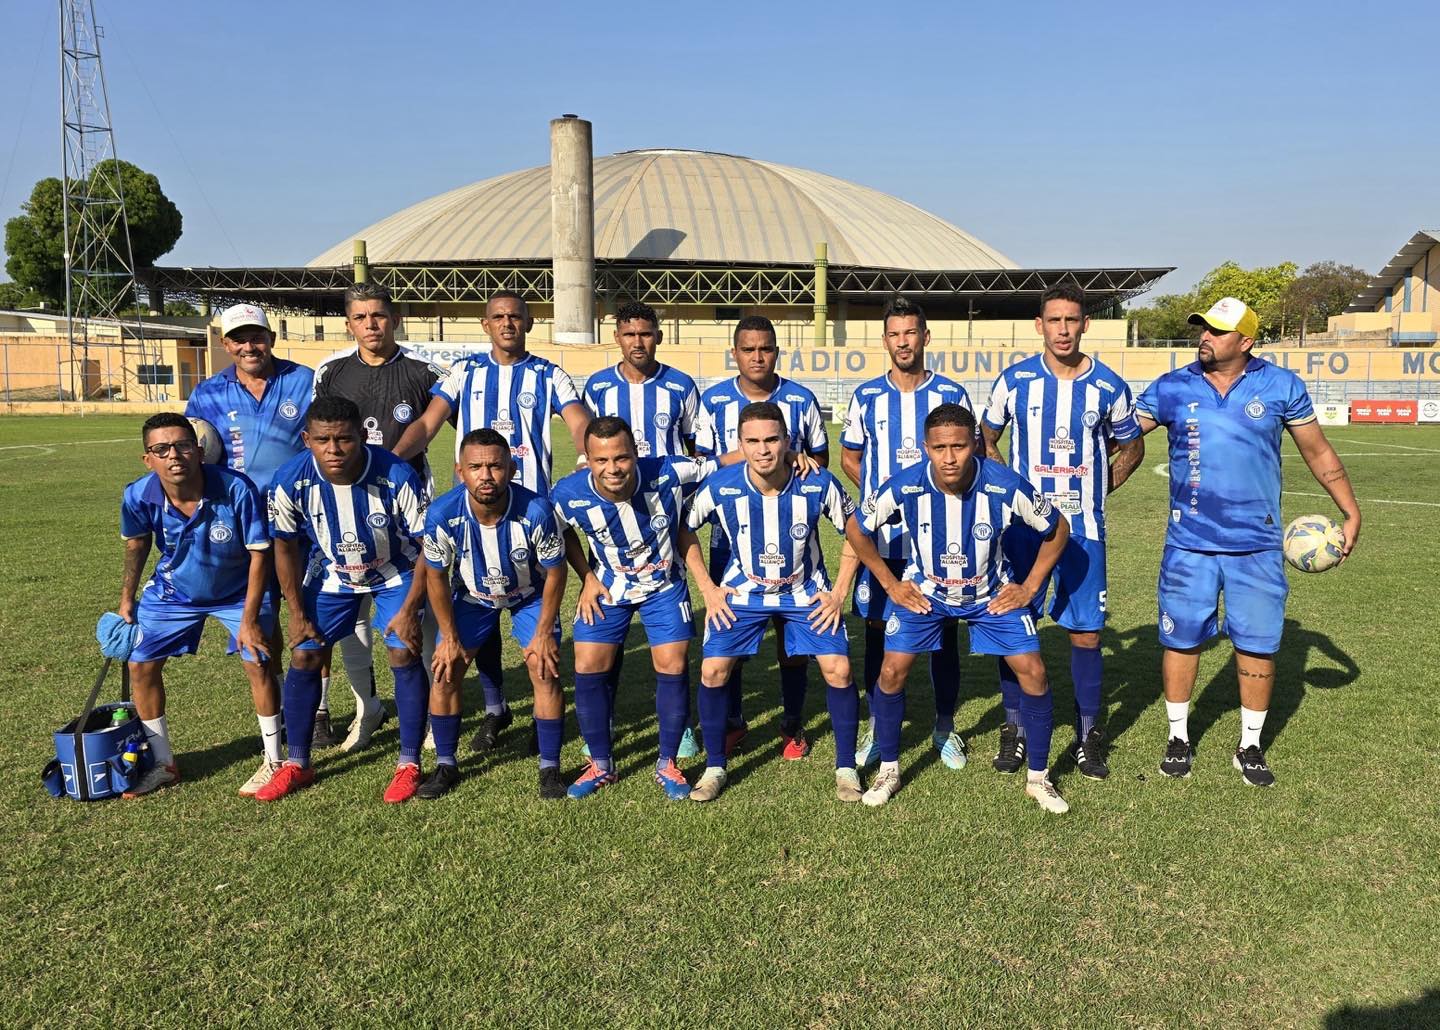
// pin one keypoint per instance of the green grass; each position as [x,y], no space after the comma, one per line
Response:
[1154,903]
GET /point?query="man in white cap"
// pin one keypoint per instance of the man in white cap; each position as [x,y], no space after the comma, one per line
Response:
[1225,414]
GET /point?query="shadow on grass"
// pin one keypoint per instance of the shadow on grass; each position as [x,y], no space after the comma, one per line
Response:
[1423,1012]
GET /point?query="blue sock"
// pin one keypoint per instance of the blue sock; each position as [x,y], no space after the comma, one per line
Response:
[734,694]
[793,681]
[889,711]
[551,733]
[299,697]
[1037,715]
[1087,669]
[874,655]
[592,712]
[713,708]
[945,678]
[447,737]
[844,706]
[672,711]
[612,678]
[412,702]
[490,674]
[1010,695]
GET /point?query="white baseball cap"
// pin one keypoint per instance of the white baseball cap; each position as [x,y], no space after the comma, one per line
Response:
[242,314]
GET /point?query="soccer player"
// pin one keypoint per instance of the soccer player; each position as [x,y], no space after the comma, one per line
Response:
[1066,407]
[515,393]
[660,403]
[882,427]
[363,510]
[629,510]
[209,523]
[493,546]
[391,387]
[756,352]
[953,509]
[1224,415]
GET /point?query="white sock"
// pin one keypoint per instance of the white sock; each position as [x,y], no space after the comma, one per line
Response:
[1178,712]
[324,705]
[1035,775]
[157,735]
[359,665]
[1251,723]
[270,737]
[893,767]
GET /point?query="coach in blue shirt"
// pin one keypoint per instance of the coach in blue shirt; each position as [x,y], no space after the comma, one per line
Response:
[1225,414]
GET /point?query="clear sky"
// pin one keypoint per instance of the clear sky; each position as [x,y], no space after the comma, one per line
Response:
[1061,134]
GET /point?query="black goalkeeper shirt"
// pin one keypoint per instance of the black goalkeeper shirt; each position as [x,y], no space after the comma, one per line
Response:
[390,396]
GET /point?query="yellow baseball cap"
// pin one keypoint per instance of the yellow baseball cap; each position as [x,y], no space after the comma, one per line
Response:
[1229,315]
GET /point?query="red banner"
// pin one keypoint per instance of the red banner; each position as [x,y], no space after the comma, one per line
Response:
[1392,412]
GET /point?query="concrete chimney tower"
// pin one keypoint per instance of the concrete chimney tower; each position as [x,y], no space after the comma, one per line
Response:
[572,229]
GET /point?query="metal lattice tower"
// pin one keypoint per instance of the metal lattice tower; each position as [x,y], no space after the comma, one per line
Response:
[99,261]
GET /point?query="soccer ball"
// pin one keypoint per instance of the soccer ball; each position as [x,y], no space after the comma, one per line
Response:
[1314,543]
[212,451]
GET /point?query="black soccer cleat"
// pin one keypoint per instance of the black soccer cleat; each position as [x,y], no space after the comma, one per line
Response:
[1011,756]
[488,735]
[439,783]
[552,784]
[1179,756]
[323,735]
[1251,763]
[1090,753]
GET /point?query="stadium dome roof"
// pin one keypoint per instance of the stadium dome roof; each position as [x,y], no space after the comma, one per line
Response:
[680,205]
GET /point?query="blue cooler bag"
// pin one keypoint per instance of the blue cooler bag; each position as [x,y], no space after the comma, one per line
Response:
[96,755]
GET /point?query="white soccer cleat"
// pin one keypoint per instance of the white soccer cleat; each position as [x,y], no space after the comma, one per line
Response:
[260,777]
[1043,792]
[882,787]
[362,726]
[847,786]
[710,786]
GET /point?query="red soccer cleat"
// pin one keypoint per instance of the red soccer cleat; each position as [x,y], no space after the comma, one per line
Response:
[287,780]
[404,784]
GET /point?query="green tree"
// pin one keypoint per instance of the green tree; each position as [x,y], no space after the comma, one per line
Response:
[1266,290]
[35,239]
[14,297]
[1165,318]
[1324,289]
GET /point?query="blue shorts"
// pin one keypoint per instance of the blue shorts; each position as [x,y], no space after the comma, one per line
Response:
[1078,580]
[476,622]
[871,601]
[1254,586]
[1011,633]
[665,615]
[169,629]
[743,637]
[334,614]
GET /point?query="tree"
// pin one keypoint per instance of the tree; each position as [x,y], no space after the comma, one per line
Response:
[35,239]
[14,297]
[1166,318]
[1324,289]
[1266,290]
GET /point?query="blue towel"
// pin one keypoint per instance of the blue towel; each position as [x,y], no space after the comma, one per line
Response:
[116,636]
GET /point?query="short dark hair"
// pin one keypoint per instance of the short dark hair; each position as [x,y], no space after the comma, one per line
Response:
[485,437]
[167,420]
[604,427]
[950,415]
[506,295]
[1063,291]
[901,307]
[368,291]
[332,409]
[761,411]
[632,310]
[754,324]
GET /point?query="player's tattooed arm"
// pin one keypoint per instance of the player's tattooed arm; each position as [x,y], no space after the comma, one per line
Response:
[1329,471]
[137,551]
[1127,459]
[991,439]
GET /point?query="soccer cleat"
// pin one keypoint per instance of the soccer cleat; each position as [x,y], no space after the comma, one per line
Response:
[363,726]
[689,746]
[866,753]
[488,735]
[882,787]
[552,784]
[733,736]
[672,781]
[403,784]
[951,748]
[289,778]
[1089,754]
[847,785]
[156,777]
[711,784]
[259,778]
[1251,763]
[322,735]
[439,783]
[590,781]
[796,746]
[1044,794]
[1011,756]
[1178,756]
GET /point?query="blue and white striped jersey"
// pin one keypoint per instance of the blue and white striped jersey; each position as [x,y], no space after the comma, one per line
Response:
[774,542]
[259,435]
[632,543]
[953,542]
[719,431]
[887,426]
[661,411]
[366,535]
[1061,430]
[514,400]
[497,566]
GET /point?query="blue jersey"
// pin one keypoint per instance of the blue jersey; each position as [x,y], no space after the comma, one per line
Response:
[887,426]
[499,566]
[514,400]
[1062,428]
[259,435]
[954,542]
[366,535]
[632,542]
[1225,454]
[204,559]
[661,411]
[719,431]
[774,542]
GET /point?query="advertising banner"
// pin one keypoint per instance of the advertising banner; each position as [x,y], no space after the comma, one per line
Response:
[1429,411]
[1387,412]
[1333,414]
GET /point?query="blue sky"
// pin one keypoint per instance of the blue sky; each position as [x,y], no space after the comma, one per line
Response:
[1061,134]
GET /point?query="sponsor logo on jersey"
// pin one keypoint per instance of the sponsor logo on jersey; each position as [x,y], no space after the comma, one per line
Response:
[772,555]
[910,488]
[907,453]
[549,549]
[350,544]
[1061,440]
[677,387]
[1041,505]
[433,550]
[730,491]
[991,488]
[372,431]
[221,533]
[868,506]
[810,488]
[403,412]
[1255,409]
[495,580]
[289,410]
[377,520]
[642,448]
[943,388]
[983,531]
[502,423]
[1024,375]
[1067,501]
[952,558]
[800,531]
[870,391]
[577,504]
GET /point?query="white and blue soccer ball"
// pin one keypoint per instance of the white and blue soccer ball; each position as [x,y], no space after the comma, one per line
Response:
[1314,543]
[212,451]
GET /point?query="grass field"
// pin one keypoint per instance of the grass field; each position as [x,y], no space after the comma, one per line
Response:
[1154,903]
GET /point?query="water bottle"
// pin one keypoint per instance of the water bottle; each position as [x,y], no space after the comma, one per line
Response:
[130,757]
[119,717]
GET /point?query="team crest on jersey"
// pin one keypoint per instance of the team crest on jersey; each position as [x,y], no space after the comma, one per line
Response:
[527,399]
[892,625]
[378,519]
[1167,623]
[862,593]
[221,533]
[907,453]
[289,410]
[662,420]
[403,412]
[800,531]
[520,554]
[660,522]
[1255,409]
[983,531]
[1091,419]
